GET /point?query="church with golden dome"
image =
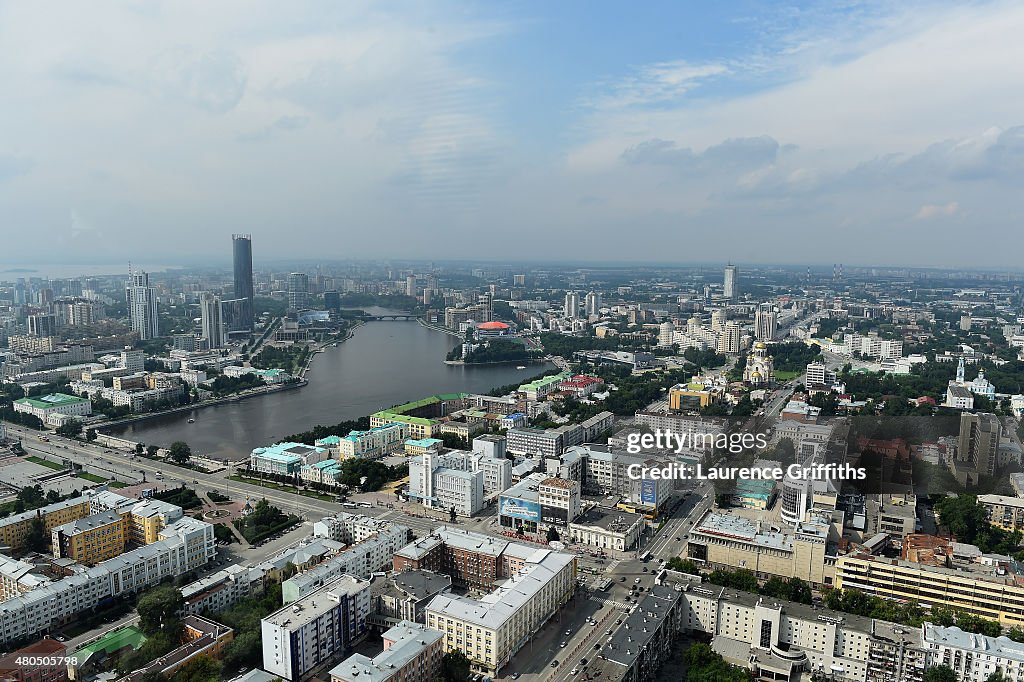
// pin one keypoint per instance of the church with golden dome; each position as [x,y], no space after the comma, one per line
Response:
[760,369]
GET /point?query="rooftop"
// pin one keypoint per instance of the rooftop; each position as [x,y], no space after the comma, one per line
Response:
[407,641]
[315,604]
[1002,647]
[491,610]
[51,400]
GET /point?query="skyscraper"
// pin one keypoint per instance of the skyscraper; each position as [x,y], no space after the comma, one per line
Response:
[592,303]
[298,290]
[572,305]
[213,321]
[244,289]
[765,322]
[410,286]
[732,277]
[142,311]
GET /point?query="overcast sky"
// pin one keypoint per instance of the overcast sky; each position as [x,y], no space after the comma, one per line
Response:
[881,132]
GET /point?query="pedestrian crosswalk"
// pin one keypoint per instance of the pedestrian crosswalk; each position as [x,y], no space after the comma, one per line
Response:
[611,602]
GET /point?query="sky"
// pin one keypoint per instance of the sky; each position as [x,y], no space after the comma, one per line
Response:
[757,132]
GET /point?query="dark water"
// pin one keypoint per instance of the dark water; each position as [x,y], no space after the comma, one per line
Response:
[383,364]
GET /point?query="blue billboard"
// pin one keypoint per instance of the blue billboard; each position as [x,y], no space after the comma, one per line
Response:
[526,510]
[649,492]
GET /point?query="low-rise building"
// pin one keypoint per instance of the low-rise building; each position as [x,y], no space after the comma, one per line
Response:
[48,406]
[607,528]
[200,637]
[404,596]
[285,459]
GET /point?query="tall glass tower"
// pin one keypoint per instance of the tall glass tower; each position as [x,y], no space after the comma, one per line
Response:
[244,289]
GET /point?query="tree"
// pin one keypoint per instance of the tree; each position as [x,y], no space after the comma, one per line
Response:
[38,538]
[552,534]
[157,607]
[453,515]
[455,667]
[52,496]
[90,435]
[139,448]
[939,673]
[70,429]
[152,450]
[179,452]
[199,669]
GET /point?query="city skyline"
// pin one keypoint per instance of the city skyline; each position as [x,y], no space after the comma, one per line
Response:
[741,132]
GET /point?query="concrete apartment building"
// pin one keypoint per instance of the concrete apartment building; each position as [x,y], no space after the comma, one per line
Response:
[490,630]
[1005,512]
[973,658]
[315,631]
[412,653]
[90,540]
[184,546]
[636,650]
[15,529]
[369,543]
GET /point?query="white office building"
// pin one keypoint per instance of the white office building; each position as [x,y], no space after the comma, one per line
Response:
[446,481]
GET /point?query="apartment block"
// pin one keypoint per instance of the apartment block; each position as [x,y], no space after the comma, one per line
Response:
[315,631]
[90,540]
[412,653]
[1005,512]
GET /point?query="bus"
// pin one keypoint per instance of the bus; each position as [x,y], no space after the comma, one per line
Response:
[645,557]
[604,585]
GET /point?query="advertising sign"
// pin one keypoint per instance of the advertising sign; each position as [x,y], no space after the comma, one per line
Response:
[526,510]
[649,492]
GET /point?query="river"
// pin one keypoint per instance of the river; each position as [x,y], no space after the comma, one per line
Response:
[384,363]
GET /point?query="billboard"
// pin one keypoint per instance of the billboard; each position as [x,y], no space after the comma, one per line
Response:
[649,492]
[527,510]
[554,515]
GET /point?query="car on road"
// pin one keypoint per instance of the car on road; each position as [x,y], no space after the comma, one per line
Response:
[636,580]
[574,671]
[516,675]
[622,579]
[568,633]
[562,645]
[554,663]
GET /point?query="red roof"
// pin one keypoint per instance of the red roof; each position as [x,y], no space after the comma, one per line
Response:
[492,325]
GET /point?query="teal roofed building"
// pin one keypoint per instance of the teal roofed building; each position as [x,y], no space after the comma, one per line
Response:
[285,459]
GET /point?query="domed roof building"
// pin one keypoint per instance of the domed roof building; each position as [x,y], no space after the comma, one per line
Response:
[760,369]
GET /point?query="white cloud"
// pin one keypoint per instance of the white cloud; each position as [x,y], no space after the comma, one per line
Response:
[929,211]
[656,84]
